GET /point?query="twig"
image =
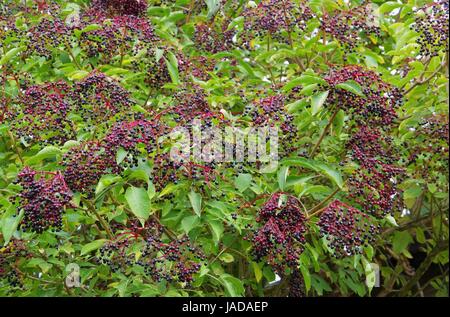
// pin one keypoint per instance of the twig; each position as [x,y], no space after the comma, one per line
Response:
[325,131]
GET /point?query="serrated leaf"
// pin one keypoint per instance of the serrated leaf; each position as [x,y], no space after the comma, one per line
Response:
[91,246]
[233,286]
[189,223]
[196,202]
[318,100]
[242,182]
[351,86]
[139,202]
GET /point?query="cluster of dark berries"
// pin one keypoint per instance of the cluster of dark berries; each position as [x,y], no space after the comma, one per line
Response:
[296,284]
[346,229]
[97,98]
[47,35]
[377,106]
[214,41]
[432,25]
[270,112]
[155,69]
[43,199]
[349,26]
[281,236]
[190,103]
[273,16]
[429,151]
[175,261]
[135,137]
[373,185]
[119,7]
[9,254]
[86,163]
[116,37]
[41,114]
[196,66]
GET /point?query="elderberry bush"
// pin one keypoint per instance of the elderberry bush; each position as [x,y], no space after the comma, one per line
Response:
[224,147]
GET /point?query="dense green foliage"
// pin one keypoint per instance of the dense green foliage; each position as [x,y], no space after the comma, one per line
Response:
[91,89]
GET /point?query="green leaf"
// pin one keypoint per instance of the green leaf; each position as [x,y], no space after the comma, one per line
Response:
[9,223]
[242,182]
[139,202]
[401,241]
[217,229]
[196,202]
[121,155]
[306,277]
[233,286]
[226,258]
[47,152]
[351,86]
[172,66]
[303,80]
[323,168]
[318,100]
[10,54]
[91,246]
[213,7]
[389,6]
[282,176]
[189,223]
[258,272]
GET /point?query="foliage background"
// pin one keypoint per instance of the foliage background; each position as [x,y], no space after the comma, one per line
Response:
[412,247]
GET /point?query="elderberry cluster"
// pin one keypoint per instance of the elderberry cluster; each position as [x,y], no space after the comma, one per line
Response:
[41,114]
[428,152]
[280,238]
[432,25]
[374,184]
[273,16]
[86,163]
[270,112]
[350,26]
[346,229]
[42,199]
[98,98]
[376,105]
[214,41]
[120,7]
[117,36]
[175,261]
[9,254]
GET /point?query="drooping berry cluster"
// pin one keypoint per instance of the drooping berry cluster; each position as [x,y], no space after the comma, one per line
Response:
[270,112]
[129,135]
[350,26]
[280,238]
[175,261]
[432,25]
[42,199]
[10,254]
[42,113]
[376,105]
[48,35]
[296,284]
[98,98]
[213,41]
[86,163]
[346,229]
[116,37]
[428,151]
[273,16]
[120,7]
